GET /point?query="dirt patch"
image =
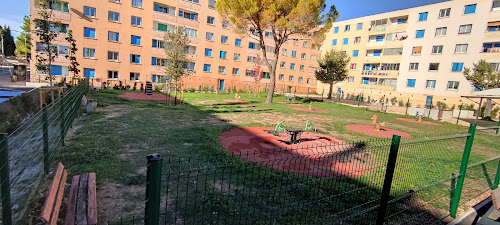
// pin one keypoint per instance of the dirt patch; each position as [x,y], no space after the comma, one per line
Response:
[207,102]
[128,153]
[115,201]
[134,96]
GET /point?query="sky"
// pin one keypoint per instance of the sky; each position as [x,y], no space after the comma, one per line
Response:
[13,11]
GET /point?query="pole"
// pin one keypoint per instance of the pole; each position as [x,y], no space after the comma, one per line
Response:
[459,111]
[45,131]
[4,180]
[153,190]
[463,170]
[478,110]
[359,100]
[383,100]
[389,174]
[497,177]
[61,115]
[430,108]
[407,104]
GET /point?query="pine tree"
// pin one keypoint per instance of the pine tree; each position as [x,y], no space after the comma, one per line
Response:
[23,41]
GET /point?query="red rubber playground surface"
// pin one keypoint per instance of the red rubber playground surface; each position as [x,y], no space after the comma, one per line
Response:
[416,121]
[143,97]
[255,145]
[370,130]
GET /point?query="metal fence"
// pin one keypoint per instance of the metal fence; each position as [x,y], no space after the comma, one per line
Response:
[27,153]
[415,181]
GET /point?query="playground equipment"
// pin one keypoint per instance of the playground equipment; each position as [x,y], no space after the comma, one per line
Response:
[310,106]
[376,123]
[418,117]
[290,98]
[236,96]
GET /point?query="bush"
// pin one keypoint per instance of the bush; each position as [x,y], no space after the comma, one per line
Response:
[453,107]
[442,105]
[470,107]
[494,113]
[394,101]
[401,103]
[127,87]
[116,87]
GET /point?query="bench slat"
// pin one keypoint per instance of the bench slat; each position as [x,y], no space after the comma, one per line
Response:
[59,198]
[92,204]
[70,209]
[81,208]
[495,196]
[51,197]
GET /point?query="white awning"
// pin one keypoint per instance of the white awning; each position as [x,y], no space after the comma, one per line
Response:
[491,93]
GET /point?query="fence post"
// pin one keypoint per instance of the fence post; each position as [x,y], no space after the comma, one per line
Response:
[463,170]
[45,134]
[359,100]
[407,104]
[153,189]
[61,114]
[459,111]
[386,190]
[4,180]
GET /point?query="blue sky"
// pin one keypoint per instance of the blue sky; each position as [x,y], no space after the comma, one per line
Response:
[13,11]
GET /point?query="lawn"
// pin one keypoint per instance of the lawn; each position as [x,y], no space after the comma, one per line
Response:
[115,140]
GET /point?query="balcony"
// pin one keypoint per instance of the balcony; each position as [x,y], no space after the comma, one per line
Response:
[381,73]
[490,53]
[378,29]
[57,15]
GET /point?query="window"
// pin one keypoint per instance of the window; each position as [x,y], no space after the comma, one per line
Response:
[89,32]
[281,77]
[294,54]
[207,68]
[353,66]
[90,73]
[192,33]
[495,67]
[343,53]
[114,16]
[222,69]
[164,9]
[211,3]
[438,49]
[59,6]
[63,50]
[136,21]
[433,66]
[89,11]
[496,5]
[346,41]
[417,50]
[190,50]
[420,34]
[113,36]
[112,75]
[135,76]
[303,56]
[335,30]
[137,3]
[410,83]
[302,67]
[350,80]
[283,65]
[224,39]
[249,73]
[359,26]
[236,71]
[194,1]
[334,42]
[89,53]
[355,53]
[236,57]
[347,28]
[295,42]
[379,38]
[208,52]
[314,58]
[457,67]
[284,51]
[357,40]
[444,13]
[118,1]
[430,84]
[461,48]
[158,44]
[162,27]
[470,9]
[291,78]
[188,15]
[237,42]
[209,36]
[251,45]
[495,26]
[389,66]
[292,66]
[135,40]
[301,80]
[113,56]
[135,58]
[465,29]
[393,51]
[379,23]
[210,20]
[452,85]
[441,31]
[223,54]
[225,24]
[413,66]
[304,44]
[422,16]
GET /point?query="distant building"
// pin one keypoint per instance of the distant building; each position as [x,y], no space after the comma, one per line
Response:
[418,53]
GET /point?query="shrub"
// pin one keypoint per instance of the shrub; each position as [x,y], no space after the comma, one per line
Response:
[442,105]
[494,113]
[394,101]
[401,103]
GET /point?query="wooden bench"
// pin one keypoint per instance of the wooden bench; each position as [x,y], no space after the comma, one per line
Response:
[495,198]
[82,205]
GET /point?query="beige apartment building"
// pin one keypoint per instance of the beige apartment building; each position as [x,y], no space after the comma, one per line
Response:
[122,41]
[418,53]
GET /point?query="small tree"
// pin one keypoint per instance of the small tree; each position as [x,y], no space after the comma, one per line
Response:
[45,56]
[332,68]
[280,19]
[73,64]
[23,41]
[483,78]
[8,47]
[176,49]
[257,74]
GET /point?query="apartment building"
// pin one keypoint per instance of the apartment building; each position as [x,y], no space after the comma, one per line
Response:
[123,41]
[418,53]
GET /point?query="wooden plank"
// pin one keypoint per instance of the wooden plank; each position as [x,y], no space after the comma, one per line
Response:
[495,196]
[92,202]
[81,208]
[51,196]
[70,209]
[59,198]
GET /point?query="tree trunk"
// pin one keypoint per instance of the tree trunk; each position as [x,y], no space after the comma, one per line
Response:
[272,82]
[487,111]
[330,92]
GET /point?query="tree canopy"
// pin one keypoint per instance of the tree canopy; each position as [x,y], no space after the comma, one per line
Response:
[23,41]
[483,77]
[8,41]
[332,68]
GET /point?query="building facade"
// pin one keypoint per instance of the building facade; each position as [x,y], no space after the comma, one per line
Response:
[418,53]
[121,41]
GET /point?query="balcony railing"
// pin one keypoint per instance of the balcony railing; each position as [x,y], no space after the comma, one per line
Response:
[494,49]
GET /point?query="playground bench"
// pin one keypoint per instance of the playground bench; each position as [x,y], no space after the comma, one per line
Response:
[82,204]
[495,198]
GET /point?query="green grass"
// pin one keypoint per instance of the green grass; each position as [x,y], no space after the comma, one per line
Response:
[114,143]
